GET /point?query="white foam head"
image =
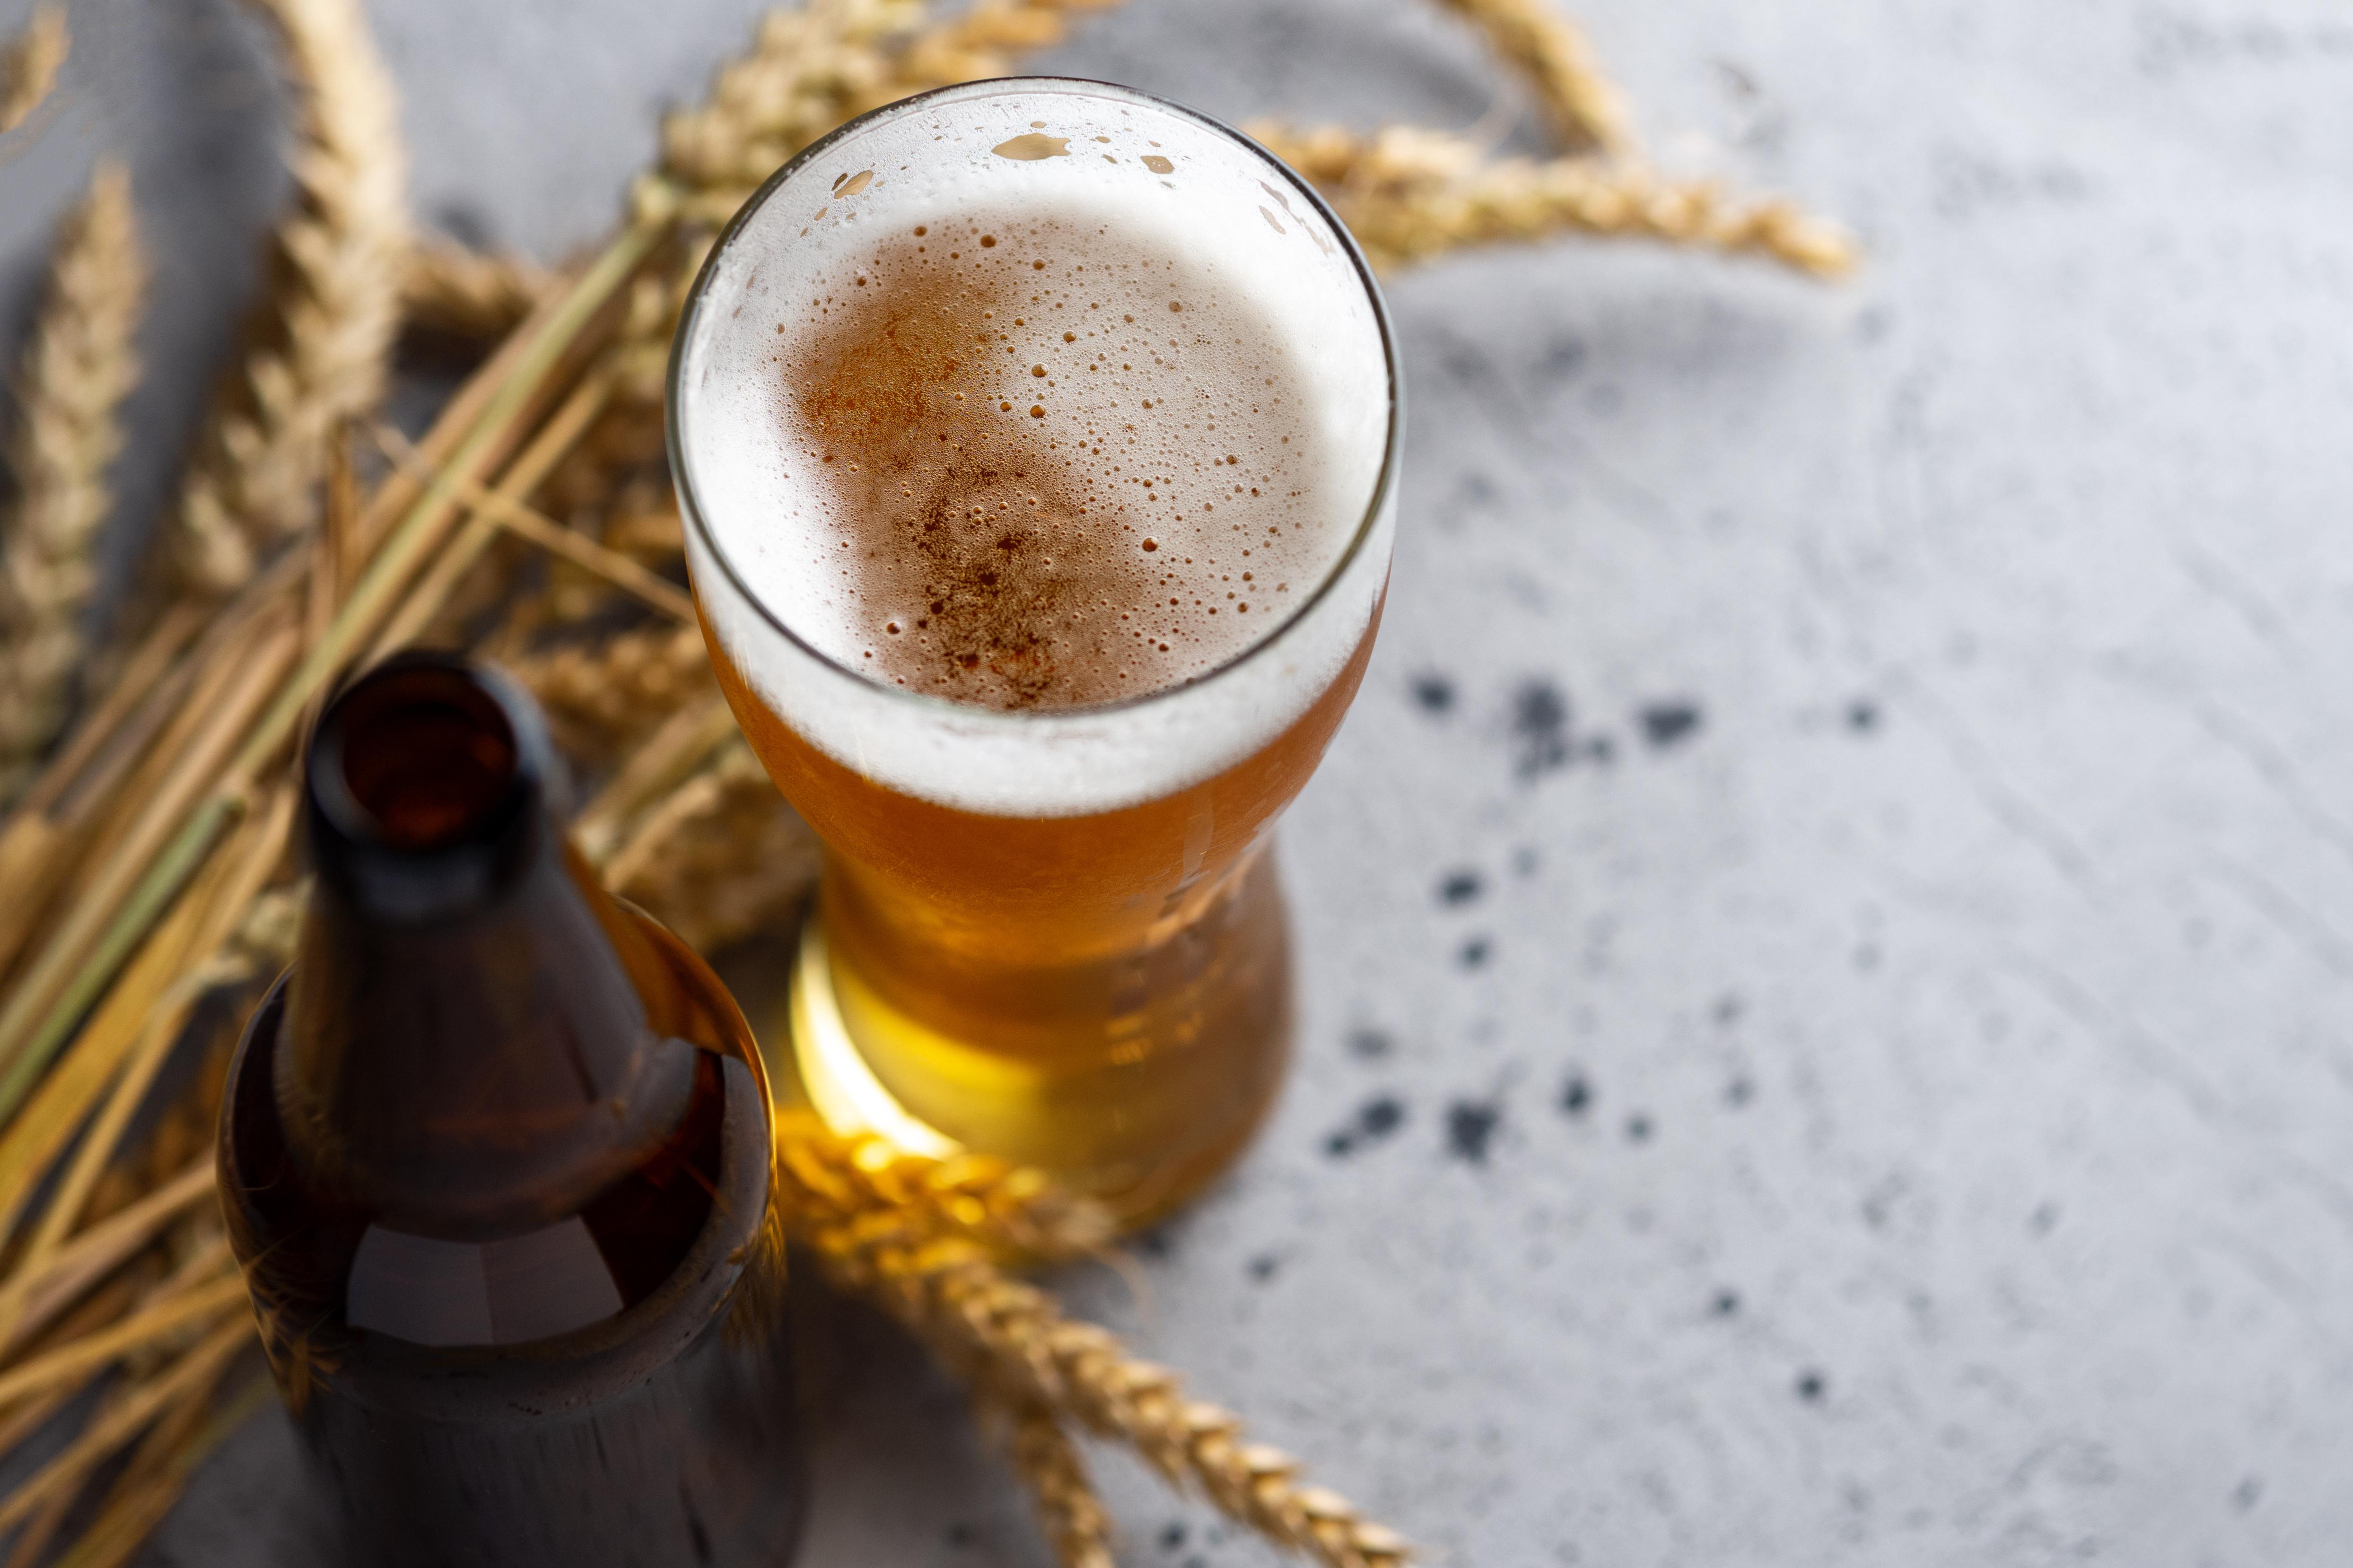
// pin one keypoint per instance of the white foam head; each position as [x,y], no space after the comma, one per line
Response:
[1088,155]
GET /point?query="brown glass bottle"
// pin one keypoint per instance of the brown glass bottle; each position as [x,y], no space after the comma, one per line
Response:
[495,1155]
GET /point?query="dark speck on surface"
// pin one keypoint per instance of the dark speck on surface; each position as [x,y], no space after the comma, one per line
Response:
[1728,1008]
[1370,1045]
[1739,1092]
[1158,1242]
[2044,1218]
[1561,358]
[2247,1493]
[1375,1119]
[1863,716]
[1460,888]
[1666,723]
[1539,728]
[1433,692]
[1172,1538]
[961,1535]
[1726,1304]
[1811,1387]
[1638,1128]
[1473,953]
[1576,1095]
[1470,1127]
[1262,1268]
[1602,749]
[1523,862]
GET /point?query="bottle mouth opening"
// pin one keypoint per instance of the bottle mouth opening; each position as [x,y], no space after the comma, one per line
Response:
[424,756]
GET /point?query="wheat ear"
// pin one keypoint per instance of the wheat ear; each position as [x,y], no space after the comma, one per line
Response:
[1587,110]
[989,1326]
[1410,195]
[1050,1465]
[980,42]
[320,342]
[447,288]
[787,91]
[77,372]
[29,65]
[602,698]
[899,1230]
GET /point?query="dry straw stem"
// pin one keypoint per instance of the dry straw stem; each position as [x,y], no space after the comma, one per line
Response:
[209,1300]
[67,1095]
[666,759]
[250,863]
[1587,110]
[190,1376]
[80,957]
[583,552]
[604,699]
[106,1245]
[77,372]
[722,857]
[1410,195]
[322,341]
[29,65]
[143,1500]
[1070,1513]
[449,289]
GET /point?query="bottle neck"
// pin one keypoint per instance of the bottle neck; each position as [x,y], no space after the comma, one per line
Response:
[466,1050]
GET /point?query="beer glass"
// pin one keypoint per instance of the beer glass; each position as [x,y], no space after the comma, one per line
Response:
[1047,931]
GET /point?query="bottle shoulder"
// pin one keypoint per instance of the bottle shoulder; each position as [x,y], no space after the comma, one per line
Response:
[338,1270]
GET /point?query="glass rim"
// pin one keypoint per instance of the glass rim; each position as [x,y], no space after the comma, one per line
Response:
[690,316]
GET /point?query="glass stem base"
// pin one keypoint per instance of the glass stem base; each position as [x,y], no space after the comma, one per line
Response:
[1139,1104]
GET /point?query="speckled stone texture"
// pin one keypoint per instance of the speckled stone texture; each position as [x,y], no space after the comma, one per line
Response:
[1829,936]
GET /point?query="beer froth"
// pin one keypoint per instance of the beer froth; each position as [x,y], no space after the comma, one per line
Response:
[1043,461]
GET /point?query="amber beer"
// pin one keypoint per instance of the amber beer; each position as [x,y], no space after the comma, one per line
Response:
[1036,441]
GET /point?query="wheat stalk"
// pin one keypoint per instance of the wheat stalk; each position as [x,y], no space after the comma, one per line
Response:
[1410,195]
[449,289]
[29,65]
[78,371]
[321,341]
[601,697]
[722,857]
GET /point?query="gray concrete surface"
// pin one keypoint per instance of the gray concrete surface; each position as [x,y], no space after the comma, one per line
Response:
[1829,936]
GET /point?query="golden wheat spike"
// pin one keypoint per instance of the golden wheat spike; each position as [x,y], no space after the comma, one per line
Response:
[447,288]
[1586,109]
[30,63]
[78,369]
[324,334]
[1410,195]
[1048,1464]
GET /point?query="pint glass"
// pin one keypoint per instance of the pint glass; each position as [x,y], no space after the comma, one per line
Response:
[1036,441]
